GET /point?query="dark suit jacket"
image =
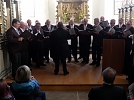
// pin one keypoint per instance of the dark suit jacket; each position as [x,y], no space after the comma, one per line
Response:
[24,44]
[107,92]
[98,38]
[36,44]
[47,41]
[33,27]
[13,44]
[45,28]
[74,40]
[113,36]
[128,41]
[85,39]
[122,28]
[59,45]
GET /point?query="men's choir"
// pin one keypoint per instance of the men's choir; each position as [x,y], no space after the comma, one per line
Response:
[63,42]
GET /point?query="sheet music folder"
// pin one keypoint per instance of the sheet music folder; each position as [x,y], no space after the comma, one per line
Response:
[98,28]
[83,31]
[40,37]
[127,32]
[47,32]
[72,31]
[26,35]
[105,24]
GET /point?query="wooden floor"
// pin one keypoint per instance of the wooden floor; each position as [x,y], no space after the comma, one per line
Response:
[80,77]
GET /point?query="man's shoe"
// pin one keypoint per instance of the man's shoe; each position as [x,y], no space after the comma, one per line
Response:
[97,65]
[47,61]
[76,61]
[66,73]
[93,63]
[83,62]
[43,65]
[55,73]
[68,61]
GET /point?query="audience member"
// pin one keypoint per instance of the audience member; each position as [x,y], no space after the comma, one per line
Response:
[26,87]
[5,93]
[131,92]
[108,91]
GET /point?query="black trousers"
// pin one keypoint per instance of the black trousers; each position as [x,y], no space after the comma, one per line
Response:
[73,51]
[39,58]
[126,61]
[47,49]
[15,59]
[24,58]
[85,52]
[96,53]
[57,63]
[46,53]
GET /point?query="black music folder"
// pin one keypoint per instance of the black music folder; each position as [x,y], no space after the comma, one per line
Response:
[40,37]
[47,32]
[26,35]
[72,31]
[83,31]
[104,24]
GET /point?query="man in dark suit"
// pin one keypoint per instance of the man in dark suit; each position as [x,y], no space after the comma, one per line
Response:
[131,92]
[121,26]
[24,47]
[128,44]
[14,45]
[38,42]
[59,48]
[30,48]
[47,28]
[85,41]
[97,44]
[30,27]
[74,41]
[111,34]
[108,91]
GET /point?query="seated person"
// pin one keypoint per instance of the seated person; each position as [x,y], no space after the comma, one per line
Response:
[108,91]
[5,93]
[26,87]
[131,92]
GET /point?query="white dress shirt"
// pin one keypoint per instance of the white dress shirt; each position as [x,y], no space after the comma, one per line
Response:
[16,30]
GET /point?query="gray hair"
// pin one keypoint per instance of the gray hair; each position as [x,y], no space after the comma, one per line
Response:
[96,19]
[23,74]
[131,88]
[109,75]
[112,20]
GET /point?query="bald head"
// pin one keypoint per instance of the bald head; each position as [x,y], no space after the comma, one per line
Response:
[109,75]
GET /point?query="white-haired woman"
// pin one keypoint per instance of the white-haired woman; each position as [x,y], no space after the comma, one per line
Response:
[25,87]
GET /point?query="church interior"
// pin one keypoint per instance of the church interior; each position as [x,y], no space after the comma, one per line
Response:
[81,76]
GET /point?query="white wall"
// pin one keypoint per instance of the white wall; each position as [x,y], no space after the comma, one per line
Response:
[46,9]
[100,8]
